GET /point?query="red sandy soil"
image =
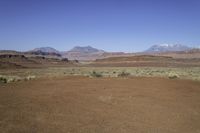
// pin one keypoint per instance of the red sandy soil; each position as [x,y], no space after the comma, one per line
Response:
[100,105]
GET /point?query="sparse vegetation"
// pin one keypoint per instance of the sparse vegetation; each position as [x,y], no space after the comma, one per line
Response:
[3,79]
[30,77]
[96,74]
[173,75]
[124,74]
[182,73]
[8,79]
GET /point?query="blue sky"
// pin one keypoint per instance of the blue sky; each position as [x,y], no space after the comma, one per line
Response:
[112,25]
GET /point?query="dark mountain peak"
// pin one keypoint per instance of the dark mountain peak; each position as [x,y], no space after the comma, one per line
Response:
[85,49]
[83,53]
[45,50]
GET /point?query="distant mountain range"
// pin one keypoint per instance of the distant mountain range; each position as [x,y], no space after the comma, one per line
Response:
[167,48]
[90,53]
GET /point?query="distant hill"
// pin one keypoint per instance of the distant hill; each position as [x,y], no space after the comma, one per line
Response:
[194,50]
[9,52]
[189,54]
[146,61]
[76,53]
[83,53]
[167,48]
[21,60]
[45,50]
[87,49]
[40,53]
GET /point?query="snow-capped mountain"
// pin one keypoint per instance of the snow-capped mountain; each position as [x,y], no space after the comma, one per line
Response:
[167,48]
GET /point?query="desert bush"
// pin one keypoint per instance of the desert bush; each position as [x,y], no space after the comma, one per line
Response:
[124,74]
[8,79]
[173,75]
[30,77]
[95,74]
[11,79]
[3,79]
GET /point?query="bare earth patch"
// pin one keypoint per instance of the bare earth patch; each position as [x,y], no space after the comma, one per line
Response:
[100,105]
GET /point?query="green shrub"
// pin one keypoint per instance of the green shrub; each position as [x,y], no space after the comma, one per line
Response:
[95,74]
[124,74]
[3,79]
[9,79]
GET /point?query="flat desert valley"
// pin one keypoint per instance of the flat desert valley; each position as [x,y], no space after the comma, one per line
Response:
[142,94]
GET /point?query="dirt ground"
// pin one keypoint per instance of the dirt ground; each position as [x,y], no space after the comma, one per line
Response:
[100,105]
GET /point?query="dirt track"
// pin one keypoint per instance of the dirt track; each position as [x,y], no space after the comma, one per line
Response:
[100,105]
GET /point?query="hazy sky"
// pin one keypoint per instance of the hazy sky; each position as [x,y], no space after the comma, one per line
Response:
[112,25]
